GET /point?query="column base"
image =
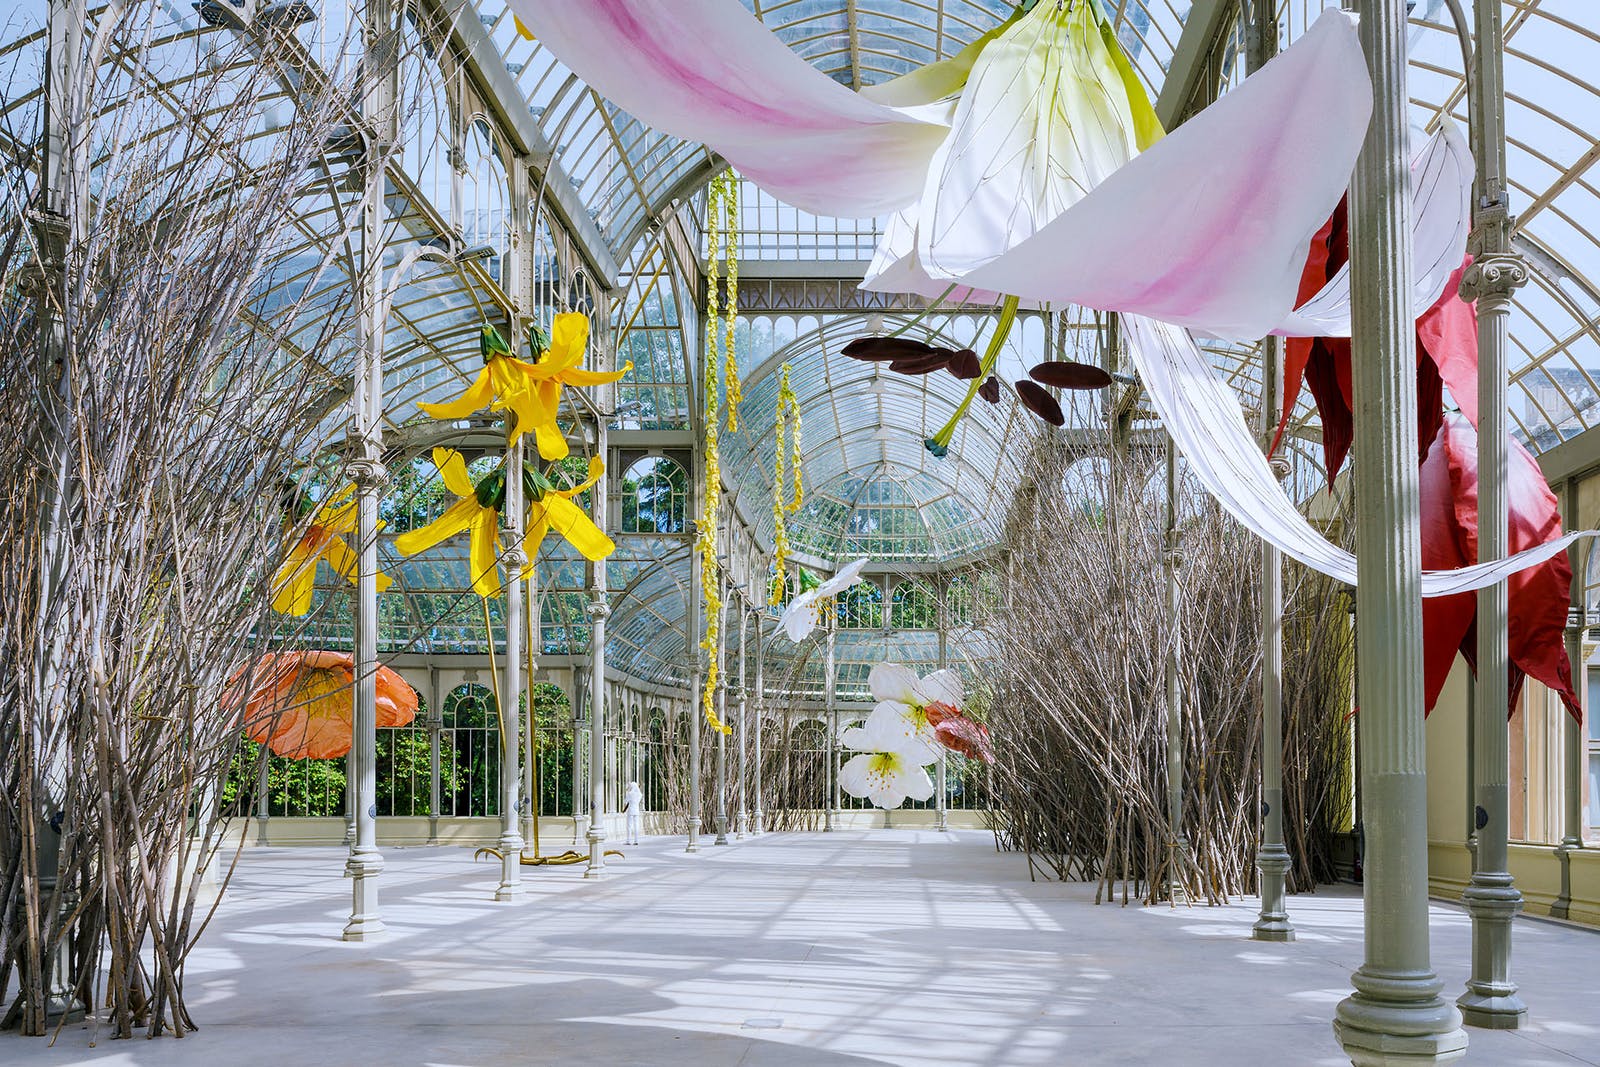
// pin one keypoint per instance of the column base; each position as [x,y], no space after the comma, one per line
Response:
[580,829]
[741,826]
[597,855]
[827,821]
[510,888]
[693,844]
[1397,1020]
[1491,1001]
[1273,861]
[722,831]
[1488,1012]
[1272,930]
[363,869]
[757,821]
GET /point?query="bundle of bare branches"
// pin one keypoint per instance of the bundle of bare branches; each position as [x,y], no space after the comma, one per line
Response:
[164,367]
[1079,722]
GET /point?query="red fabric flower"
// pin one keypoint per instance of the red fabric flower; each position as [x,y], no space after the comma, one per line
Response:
[1447,354]
[958,733]
[1538,596]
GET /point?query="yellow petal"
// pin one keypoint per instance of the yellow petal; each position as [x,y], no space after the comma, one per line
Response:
[453,521]
[483,555]
[538,527]
[529,412]
[337,518]
[294,582]
[523,31]
[569,336]
[476,398]
[552,443]
[597,467]
[339,556]
[576,376]
[346,563]
[453,469]
[567,519]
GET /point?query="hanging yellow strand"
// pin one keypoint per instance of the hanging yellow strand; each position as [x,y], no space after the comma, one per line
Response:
[788,436]
[711,490]
[730,204]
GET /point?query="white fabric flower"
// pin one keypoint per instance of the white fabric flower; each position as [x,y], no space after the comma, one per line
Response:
[888,769]
[802,616]
[903,701]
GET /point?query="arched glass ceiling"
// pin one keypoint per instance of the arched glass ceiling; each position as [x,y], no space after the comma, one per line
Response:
[872,487]
[1552,49]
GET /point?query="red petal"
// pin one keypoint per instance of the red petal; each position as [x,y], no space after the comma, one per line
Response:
[1538,596]
[1448,334]
[966,736]
[1446,620]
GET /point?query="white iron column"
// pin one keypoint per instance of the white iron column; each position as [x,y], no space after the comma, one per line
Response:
[1396,1015]
[758,817]
[722,714]
[510,843]
[1272,858]
[741,825]
[691,644]
[831,801]
[434,722]
[1177,840]
[942,793]
[599,611]
[365,862]
[1491,898]
[530,714]
[580,749]
[1572,748]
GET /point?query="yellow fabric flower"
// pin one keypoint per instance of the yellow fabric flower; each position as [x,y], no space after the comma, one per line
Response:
[295,578]
[562,364]
[506,383]
[478,512]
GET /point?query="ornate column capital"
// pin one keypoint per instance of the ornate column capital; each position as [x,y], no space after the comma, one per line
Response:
[1493,277]
[598,609]
[369,473]
[1280,466]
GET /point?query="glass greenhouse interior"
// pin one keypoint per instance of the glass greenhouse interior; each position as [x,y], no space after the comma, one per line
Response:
[637,799]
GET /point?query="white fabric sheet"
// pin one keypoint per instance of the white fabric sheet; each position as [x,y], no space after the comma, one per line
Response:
[708,71]
[1441,219]
[1208,227]
[1203,416]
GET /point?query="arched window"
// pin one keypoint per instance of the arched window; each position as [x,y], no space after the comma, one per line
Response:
[655,496]
[469,743]
[958,601]
[915,607]
[485,204]
[861,607]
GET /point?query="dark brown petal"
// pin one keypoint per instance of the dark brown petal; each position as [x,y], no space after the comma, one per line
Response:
[1041,403]
[885,349]
[965,365]
[990,390]
[1065,374]
[926,364]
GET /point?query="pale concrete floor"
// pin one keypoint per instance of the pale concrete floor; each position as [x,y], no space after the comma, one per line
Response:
[900,947]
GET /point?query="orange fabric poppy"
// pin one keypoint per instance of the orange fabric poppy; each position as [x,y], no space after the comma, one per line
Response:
[301,704]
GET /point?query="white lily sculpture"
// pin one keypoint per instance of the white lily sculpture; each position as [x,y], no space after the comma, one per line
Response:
[804,612]
[888,768]
[904,702]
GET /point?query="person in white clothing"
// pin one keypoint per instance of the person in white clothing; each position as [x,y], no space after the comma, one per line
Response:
[632,806]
